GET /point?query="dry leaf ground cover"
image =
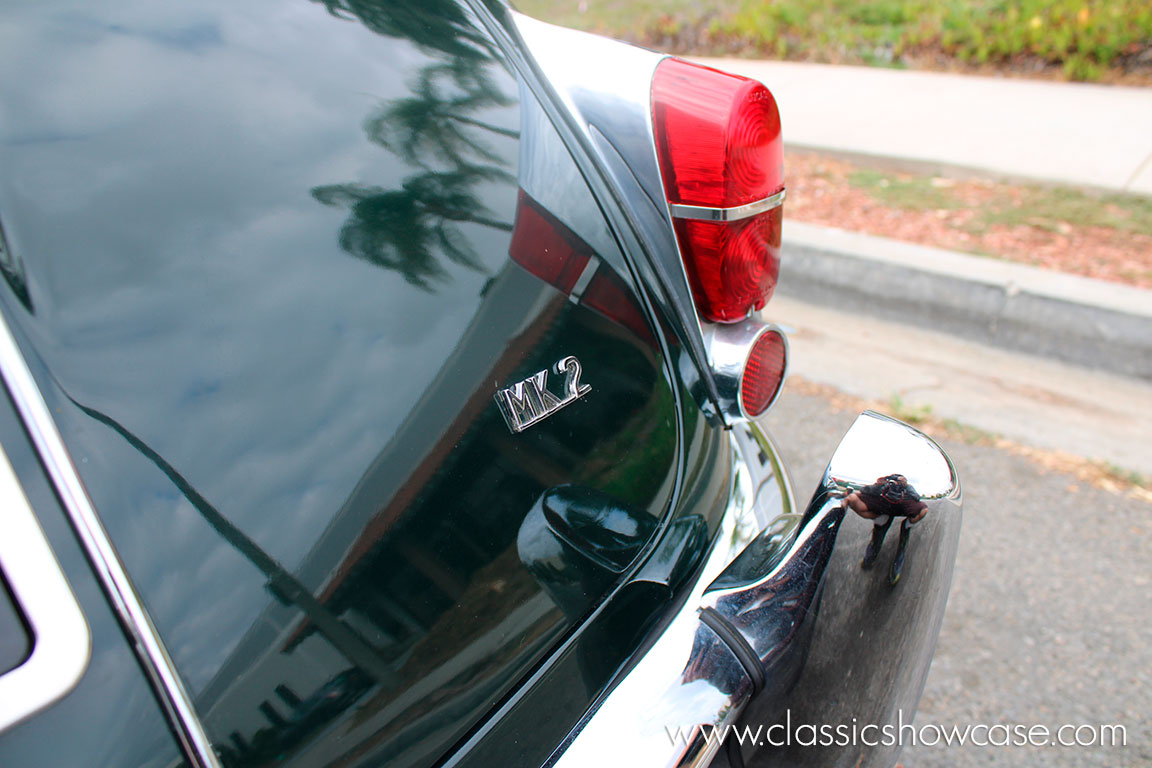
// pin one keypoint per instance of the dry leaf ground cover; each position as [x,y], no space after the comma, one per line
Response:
[1099,235]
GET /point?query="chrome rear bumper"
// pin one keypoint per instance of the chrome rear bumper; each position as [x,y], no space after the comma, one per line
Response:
[749,633]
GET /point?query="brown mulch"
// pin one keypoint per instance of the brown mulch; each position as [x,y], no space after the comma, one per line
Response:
[819,192]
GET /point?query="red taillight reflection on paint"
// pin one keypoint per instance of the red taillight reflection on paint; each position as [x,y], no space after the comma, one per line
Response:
[718,140]
[763,373]
[544,246]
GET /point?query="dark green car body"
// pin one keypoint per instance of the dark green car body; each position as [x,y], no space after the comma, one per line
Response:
[262,260]
[358,413]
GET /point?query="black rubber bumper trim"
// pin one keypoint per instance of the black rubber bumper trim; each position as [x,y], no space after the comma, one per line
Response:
[737,644]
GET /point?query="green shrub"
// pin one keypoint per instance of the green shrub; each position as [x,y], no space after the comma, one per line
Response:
[1084,38]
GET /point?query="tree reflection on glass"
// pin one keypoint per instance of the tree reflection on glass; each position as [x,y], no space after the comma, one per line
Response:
[411,228]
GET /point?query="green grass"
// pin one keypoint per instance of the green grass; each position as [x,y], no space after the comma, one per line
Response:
[1086,39]
[1046,207]
[618,18]
[1043,207]
[1125,476]
[910,414]
[968,433]
[905,190]
[923,416]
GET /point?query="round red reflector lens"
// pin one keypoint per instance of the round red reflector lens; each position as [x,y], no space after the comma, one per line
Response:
[763,373]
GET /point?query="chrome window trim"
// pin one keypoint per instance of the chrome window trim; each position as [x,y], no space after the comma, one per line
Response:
[736,213]
[102,554]
[583,280]
[62,643]
[606,86]
[630,722]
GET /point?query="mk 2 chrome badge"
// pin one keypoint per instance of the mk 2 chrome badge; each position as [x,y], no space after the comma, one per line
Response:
[530,401]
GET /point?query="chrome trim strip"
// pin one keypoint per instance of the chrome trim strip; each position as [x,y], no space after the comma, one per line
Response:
[606,87]
[660,692]
[585,278]
[654,156]
[690,682]
[736,213]
[840,641]
[62,643]
[101,552]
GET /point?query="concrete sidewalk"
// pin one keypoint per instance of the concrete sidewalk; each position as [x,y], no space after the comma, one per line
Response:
[1092,323]
[1087,135]
[1032,400]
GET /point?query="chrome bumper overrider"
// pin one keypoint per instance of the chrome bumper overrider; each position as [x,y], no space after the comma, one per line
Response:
[750,633]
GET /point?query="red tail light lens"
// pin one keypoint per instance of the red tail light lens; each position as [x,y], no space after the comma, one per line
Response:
[718,136]
[763,373]
[721,155]
[732,266]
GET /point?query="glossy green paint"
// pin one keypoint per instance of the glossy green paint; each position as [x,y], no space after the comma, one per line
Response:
[259,254]
[111,717]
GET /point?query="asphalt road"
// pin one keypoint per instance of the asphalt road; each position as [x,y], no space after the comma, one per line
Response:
[1050,617]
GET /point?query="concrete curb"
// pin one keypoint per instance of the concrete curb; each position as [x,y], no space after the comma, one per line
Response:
[1076,319]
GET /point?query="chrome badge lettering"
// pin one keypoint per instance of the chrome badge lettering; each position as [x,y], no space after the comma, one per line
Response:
[530,401]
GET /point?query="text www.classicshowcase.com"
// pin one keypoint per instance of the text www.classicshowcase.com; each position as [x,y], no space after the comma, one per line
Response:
[901,733]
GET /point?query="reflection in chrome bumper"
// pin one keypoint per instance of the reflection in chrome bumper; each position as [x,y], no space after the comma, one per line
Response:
[750,630]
